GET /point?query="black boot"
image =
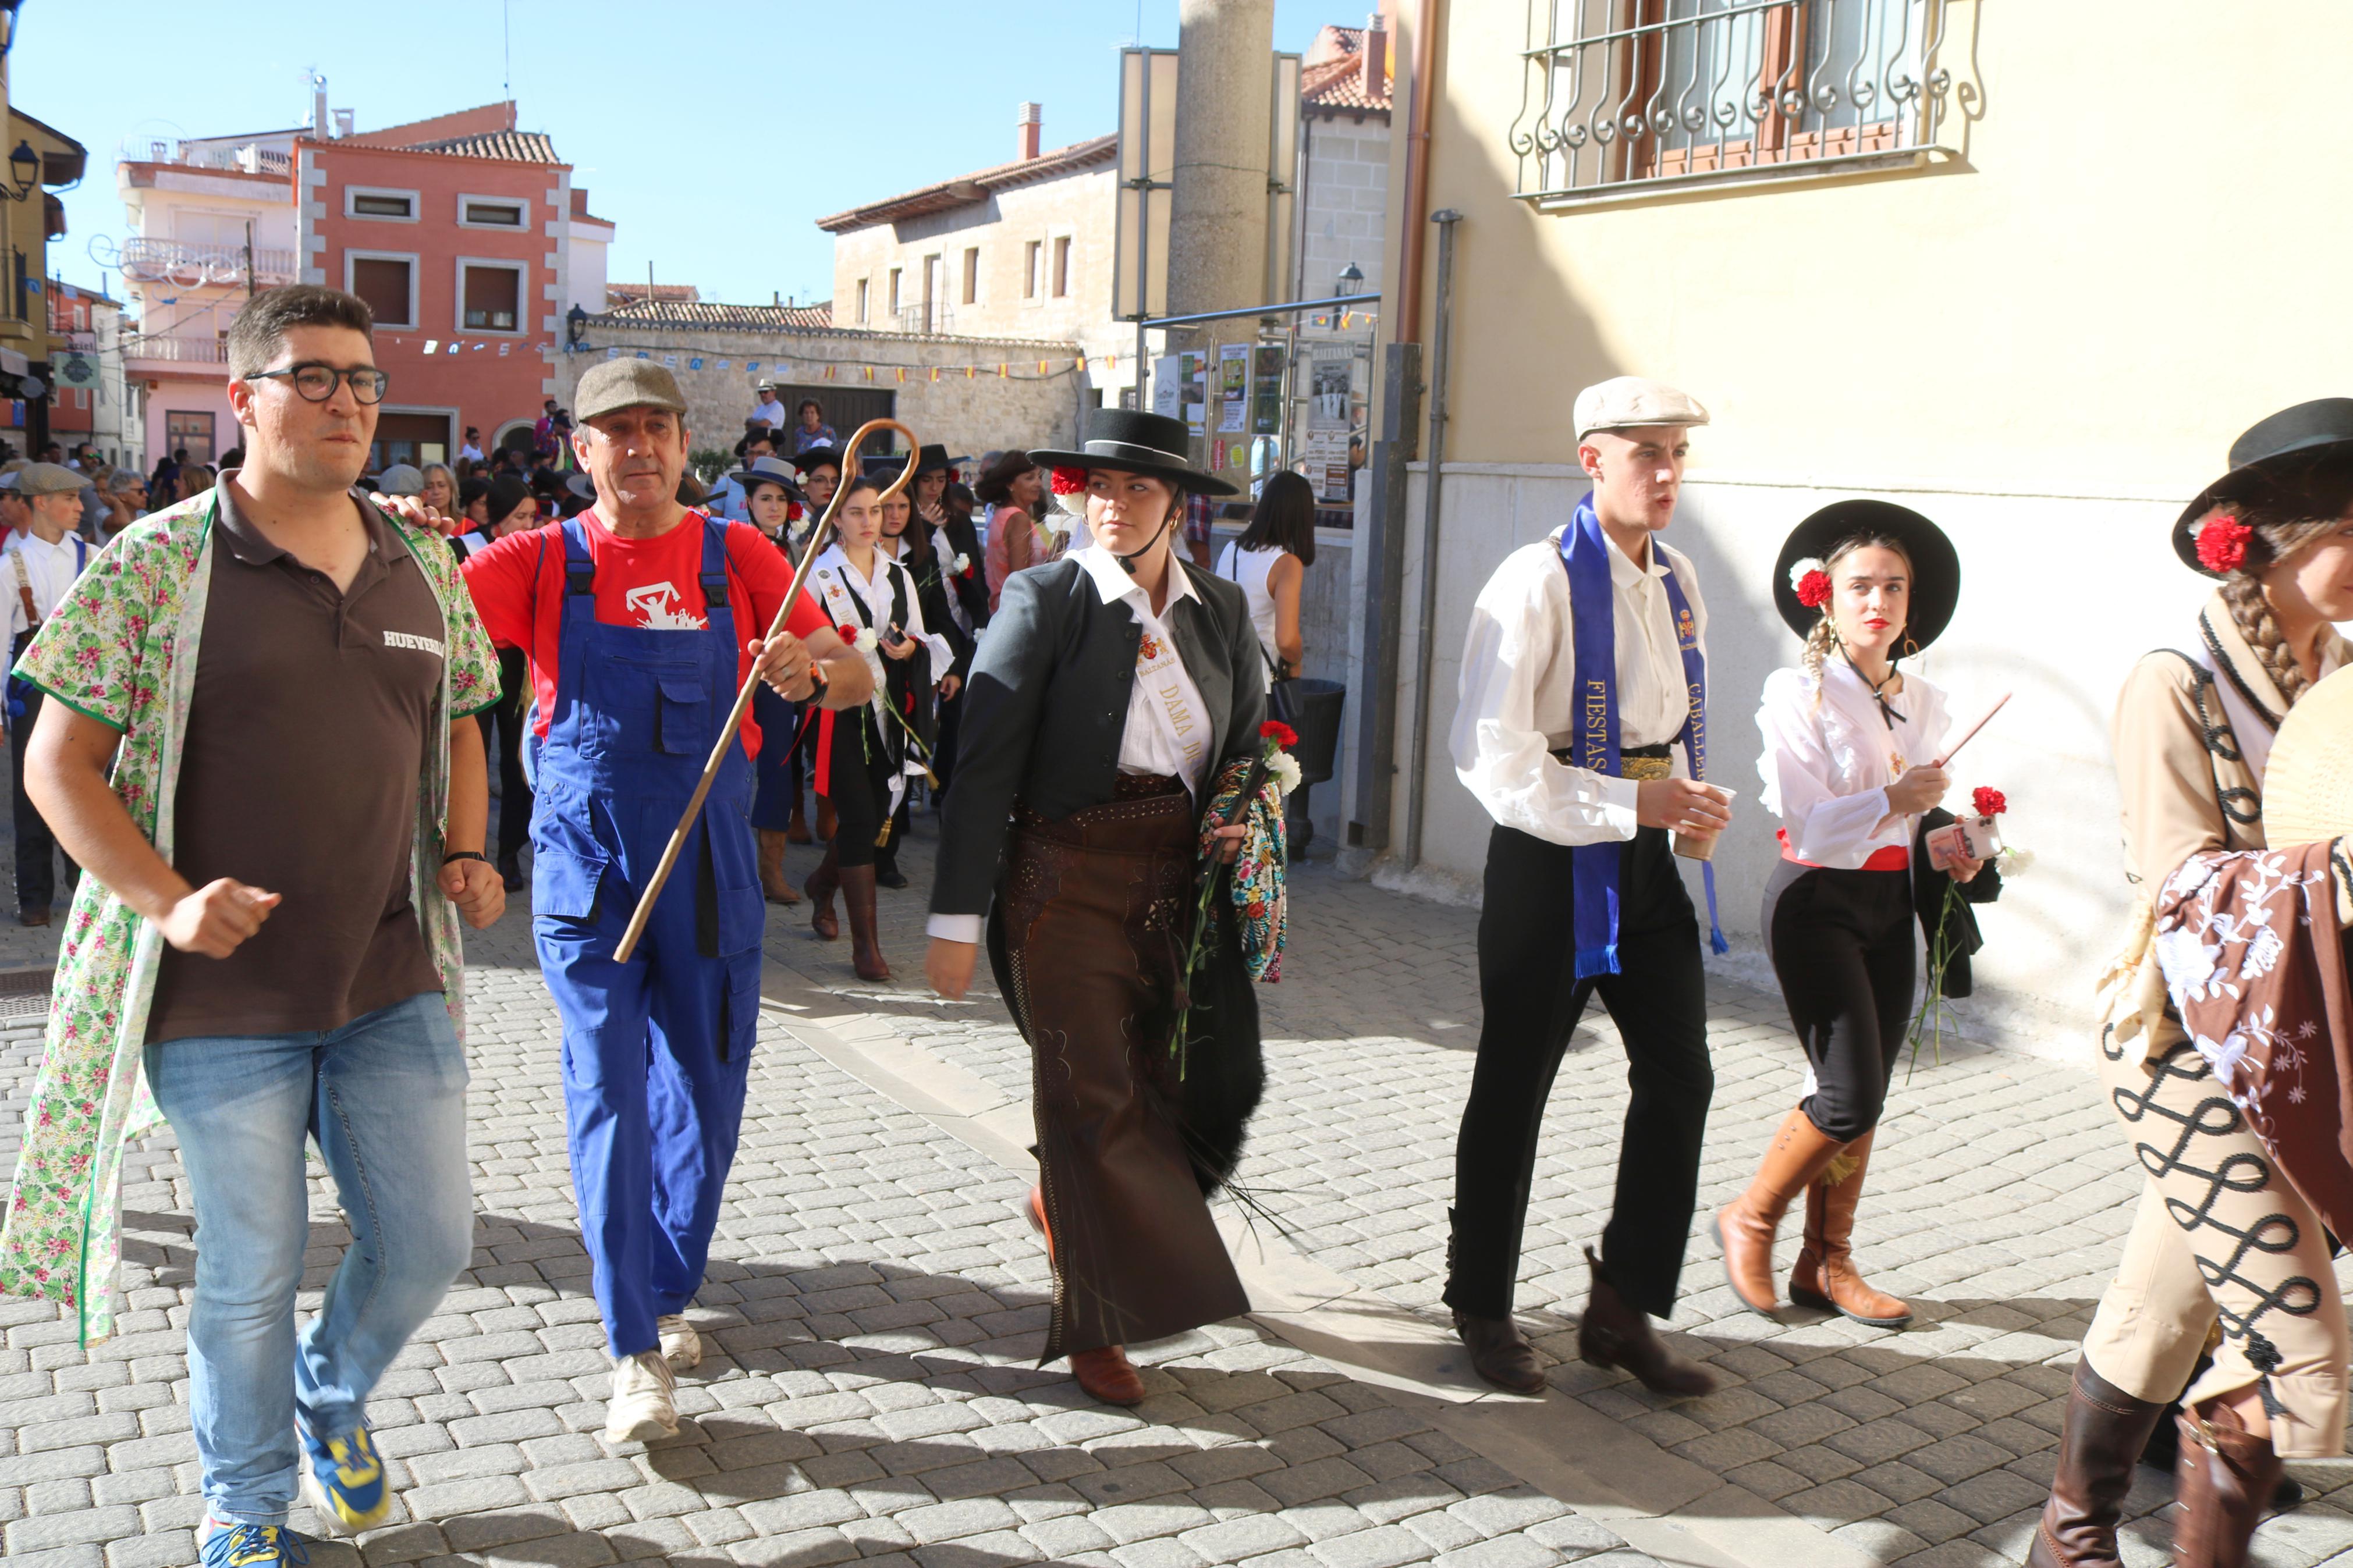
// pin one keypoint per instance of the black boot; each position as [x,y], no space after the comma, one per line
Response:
[1617,1333]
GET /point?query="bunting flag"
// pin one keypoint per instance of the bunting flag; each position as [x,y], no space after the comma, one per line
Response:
[903,375]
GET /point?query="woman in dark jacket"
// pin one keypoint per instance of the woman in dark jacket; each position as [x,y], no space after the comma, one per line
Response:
[1114,688]
[908,542]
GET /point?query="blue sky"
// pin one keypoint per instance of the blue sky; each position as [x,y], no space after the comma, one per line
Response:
[711,133]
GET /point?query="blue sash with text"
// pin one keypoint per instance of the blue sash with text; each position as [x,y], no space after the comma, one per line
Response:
[1585,556]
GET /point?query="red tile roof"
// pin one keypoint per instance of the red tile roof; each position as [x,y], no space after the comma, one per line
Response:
[966,190]
[1338,82]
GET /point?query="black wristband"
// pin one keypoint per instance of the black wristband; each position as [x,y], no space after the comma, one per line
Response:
[458,855]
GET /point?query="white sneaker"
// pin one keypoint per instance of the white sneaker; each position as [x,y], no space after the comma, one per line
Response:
[681,1346]
[644,1405]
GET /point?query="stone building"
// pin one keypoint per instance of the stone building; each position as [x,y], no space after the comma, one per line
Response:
[973,393]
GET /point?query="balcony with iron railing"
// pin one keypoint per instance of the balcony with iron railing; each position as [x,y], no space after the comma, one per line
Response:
[1624,97]
[163,348]
[936,317]
[187,266]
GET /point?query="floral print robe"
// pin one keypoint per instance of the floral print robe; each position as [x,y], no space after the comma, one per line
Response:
[122,648]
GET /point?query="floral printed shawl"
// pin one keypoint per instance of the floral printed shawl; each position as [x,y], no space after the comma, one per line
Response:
[122,648]
[1257,888]
[2249,943]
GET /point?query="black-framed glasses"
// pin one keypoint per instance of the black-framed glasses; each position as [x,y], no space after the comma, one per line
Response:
[317,383]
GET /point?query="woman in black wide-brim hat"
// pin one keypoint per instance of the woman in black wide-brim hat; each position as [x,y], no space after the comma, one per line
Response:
[1852,746]
[1114,688]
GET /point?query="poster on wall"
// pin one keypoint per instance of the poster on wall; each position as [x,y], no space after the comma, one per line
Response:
[1166,390]
[1234,387]
[1193,388]
[1267,365]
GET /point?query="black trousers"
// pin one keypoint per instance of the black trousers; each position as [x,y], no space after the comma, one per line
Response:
[858,782]
[1840,944]
[1532,1000]
[502,737]
[37,846]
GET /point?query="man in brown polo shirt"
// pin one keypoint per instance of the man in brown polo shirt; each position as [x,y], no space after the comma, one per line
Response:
[299,814]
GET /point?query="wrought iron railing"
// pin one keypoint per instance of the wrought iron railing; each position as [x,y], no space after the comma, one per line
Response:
[1622,95]
[939,317]
[193,266]
[179,351]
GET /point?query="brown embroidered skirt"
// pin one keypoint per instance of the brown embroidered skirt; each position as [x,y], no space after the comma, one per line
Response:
[1087,941]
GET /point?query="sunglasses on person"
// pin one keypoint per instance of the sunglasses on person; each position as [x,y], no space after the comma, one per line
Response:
[316,383]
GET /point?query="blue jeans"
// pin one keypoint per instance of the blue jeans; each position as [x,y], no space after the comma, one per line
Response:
[385,1097]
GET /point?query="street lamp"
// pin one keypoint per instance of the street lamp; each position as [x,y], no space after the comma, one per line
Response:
[575,325]
[24,172]
[1350,283]
[8,23]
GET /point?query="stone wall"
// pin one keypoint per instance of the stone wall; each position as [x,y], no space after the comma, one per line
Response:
[970,407]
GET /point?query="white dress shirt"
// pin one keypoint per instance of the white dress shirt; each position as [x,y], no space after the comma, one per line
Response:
[875,594]
[1827,764]
[1144,747]
[774,415]
[1518,692]
[50,568]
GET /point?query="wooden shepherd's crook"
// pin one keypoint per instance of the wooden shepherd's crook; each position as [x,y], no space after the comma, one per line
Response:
[750,683]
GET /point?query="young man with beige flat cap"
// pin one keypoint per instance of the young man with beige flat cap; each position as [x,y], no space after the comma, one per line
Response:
[41,564]
[1584,668]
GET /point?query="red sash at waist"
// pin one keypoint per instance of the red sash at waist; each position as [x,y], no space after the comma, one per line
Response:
[1889,857]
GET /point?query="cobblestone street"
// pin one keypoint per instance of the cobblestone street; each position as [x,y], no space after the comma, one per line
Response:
[876,1304]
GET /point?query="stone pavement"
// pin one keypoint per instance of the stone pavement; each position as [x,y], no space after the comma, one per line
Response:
[875,1306]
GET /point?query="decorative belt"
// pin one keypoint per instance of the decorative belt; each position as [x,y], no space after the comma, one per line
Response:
[1639,763]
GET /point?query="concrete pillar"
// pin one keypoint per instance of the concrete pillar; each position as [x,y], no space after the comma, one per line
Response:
[1217,224]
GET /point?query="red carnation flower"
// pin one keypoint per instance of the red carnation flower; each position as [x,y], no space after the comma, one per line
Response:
[1281,733]
[845,632]
[2222,543]
[1814,590]
[1070,481]
[1987,801]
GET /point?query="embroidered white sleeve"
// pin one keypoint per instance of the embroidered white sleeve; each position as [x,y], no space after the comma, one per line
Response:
[1803,783]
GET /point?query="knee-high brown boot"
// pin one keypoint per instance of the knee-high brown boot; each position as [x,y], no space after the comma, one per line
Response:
[819,888]
[2106,1430]
[865,944]
[1746,1226]
[1824,1274]
[773,885]
[2223,1478]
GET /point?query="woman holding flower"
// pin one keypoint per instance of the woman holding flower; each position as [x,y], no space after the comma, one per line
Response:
[863,759]
[1852,762]
[2242,1190]
[910,544]
[1111,721]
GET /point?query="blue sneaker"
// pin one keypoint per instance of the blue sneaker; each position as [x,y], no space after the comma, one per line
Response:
[343,1479]
[251,1546]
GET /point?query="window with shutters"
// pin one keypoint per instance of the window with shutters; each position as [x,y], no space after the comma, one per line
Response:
[490,296]
[381,205]
[972,275]
[386,282]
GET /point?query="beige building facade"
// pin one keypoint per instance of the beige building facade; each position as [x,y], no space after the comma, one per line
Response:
[2031,282]
[1021,251]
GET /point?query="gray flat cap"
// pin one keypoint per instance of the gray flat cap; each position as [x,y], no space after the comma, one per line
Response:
[49,479]
[401,479]
[1627,402]
[619,383]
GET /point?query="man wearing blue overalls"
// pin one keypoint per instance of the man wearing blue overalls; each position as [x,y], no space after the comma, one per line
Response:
[641,618]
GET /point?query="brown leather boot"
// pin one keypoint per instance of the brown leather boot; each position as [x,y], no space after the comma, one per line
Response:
[1108,1375]
[1824,1275]
[1616,1332]
[865,944]
[2225,1476]
[820,888]
[1499,1353]
[2104,1432]
[773,886]
[1748,1224]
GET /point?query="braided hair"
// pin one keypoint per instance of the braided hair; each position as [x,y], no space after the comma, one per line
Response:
[1822,637]
[2286,511]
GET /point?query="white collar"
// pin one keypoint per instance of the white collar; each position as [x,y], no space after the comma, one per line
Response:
[1113,583]
[63,546]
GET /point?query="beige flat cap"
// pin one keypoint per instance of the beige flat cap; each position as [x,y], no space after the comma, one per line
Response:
[48,480]
[619,383]
[1626,401]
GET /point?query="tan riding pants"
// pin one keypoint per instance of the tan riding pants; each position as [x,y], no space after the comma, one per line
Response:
[2219,1231]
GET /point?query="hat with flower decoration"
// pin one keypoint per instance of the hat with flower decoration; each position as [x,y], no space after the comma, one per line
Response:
[2276,461]
[1135,442]
[1802,584]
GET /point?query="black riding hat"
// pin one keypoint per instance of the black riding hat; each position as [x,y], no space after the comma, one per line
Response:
[932,459]
[2270,463]
[1936,564]
[1139,443]
[816,458]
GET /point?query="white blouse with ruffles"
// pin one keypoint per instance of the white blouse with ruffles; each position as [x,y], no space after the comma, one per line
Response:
[1827,764]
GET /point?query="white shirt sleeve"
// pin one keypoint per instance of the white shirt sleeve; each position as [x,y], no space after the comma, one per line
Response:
[1802,783]
[955,928]
[1519,632]
[17,625]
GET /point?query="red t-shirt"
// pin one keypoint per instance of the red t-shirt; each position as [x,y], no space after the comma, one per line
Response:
[656,583]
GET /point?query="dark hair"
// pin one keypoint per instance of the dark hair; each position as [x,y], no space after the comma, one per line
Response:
[689,491]
[851,485]
[259,328]
[957,498]
[506,492]
[1008,467]
[1284,518]
[807,402]
[574,505]
[1823,636]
